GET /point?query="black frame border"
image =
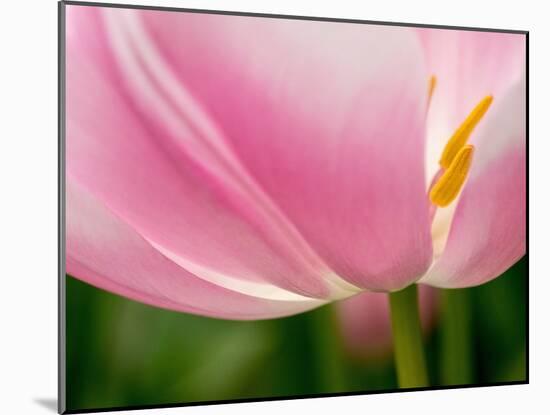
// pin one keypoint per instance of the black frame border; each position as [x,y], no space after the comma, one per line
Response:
[62,409]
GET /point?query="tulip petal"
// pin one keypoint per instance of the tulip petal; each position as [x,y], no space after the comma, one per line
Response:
[104,251]
[184,192]
[329,119]
[488,232]
[468,65]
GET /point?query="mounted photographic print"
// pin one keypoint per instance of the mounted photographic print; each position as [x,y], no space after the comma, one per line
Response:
[259,207]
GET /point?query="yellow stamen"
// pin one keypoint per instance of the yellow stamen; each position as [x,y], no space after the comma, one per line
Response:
[448,186]
[461,135]
[431,87]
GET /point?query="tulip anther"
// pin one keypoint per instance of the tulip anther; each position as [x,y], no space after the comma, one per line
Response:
[448,186]
[456,158]
[461,135]
[432,83]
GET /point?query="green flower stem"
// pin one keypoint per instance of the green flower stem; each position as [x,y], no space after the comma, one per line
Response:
[410,361]
[328,348]
[456,338]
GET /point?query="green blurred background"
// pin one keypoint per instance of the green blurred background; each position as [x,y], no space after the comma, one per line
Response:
[123,353]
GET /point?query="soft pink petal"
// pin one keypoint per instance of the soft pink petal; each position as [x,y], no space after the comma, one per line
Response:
[366,322]
[104,251]
[488,232]
[328,118]
[156,171]
[469,65]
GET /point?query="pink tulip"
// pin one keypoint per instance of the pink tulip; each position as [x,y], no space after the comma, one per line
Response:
[366,326]
[249,168]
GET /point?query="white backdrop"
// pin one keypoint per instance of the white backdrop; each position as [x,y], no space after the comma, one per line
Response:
[28,208]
